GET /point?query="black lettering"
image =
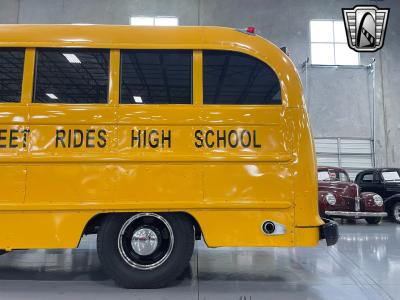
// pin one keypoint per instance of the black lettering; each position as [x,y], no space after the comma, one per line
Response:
[198,135]
[165,137]
[155,139]
[221,138]
[24,139]
[145,138]
[255,140]
[78,138]
[13,138]
[60,137]
[233,133]
[209,132]
[242,138]
[69,138]
[133,138]
[2,138]
[102,134]
[90,138]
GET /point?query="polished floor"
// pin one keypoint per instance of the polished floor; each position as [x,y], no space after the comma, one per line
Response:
[365,264]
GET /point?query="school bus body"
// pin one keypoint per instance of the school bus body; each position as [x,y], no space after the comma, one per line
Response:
[49,194]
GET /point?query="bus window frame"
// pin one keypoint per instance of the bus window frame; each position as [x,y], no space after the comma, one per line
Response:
[113,97]
[196,68]
[265,105]
[25,79]
[113,80]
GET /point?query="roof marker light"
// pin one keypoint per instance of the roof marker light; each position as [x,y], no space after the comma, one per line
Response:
[251,29]
[72,58]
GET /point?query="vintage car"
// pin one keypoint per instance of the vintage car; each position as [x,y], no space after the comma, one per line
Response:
[386,183]
[341,198]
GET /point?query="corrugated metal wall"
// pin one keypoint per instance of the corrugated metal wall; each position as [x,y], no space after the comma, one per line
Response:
[354,155]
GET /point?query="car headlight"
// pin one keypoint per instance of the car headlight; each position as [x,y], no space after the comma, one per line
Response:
[378,200]
[330,198]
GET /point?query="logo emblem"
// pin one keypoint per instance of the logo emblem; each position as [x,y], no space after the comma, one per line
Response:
[365,27]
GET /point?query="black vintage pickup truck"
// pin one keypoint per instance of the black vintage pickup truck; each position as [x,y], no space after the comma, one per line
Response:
[386,183]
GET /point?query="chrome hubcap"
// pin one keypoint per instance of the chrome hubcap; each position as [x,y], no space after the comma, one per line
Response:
[144,241]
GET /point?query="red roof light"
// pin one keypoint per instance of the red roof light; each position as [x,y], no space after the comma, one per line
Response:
[251,29]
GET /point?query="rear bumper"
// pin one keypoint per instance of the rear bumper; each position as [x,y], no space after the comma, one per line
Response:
[356,214]
[329,232]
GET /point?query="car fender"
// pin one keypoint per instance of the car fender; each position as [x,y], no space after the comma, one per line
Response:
[389,202]
[368,203]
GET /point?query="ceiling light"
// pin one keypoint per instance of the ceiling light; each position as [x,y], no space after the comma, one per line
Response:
[72,58]
[166,21]
[142,21]
[137,99]
[51,96]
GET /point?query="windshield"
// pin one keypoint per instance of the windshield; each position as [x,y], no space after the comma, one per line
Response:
[391,176]
[331,175]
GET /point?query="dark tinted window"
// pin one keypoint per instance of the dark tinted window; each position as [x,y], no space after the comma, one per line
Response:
[156,76]
[368,177]
[11,69]
[236,78]
[71,76]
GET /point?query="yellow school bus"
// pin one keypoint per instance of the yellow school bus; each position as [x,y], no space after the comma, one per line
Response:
[152,138]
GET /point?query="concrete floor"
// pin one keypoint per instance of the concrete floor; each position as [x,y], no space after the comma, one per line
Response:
[365,264]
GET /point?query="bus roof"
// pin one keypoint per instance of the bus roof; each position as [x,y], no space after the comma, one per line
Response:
[124,36]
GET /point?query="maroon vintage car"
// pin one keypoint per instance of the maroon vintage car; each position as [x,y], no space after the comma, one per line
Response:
[341,198]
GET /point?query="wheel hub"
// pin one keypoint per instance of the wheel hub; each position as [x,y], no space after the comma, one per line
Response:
[144,241]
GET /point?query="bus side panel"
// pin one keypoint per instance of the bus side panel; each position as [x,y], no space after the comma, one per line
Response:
[305,179]
[243,228]
[70,183]
[247,183]
[13,145]
[41,230]
[159,184]
[146,185]
[12,183]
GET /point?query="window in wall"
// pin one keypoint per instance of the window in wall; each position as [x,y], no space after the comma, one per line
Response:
[156,77]
[329,44]
[71,76]
[236,78]
[154,21]
[11,70]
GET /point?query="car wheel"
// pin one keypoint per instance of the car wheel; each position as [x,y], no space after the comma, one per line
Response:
[396,212]
[145,250]
[373,221]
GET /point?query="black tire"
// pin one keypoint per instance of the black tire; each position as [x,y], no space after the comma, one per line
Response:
[2,252]
[373,220]
[114,260]
[394,212]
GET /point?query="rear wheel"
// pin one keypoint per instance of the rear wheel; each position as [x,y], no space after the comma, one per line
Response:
[373,220]
[145,250]
[396,212]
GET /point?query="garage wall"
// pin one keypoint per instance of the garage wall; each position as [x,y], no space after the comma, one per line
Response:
[339,99]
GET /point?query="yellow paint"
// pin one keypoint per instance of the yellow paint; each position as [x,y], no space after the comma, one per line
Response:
[49,193]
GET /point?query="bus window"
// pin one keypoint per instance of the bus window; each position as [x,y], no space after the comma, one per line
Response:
[236,78]
[156,77]
[11,69]
[72,76]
